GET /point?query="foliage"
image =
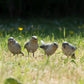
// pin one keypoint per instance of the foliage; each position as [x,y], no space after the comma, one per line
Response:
[43,8]
[11,81]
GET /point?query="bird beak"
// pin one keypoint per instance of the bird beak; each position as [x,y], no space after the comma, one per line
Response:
[63,46]
[75,47]
[57,46]
[10,40]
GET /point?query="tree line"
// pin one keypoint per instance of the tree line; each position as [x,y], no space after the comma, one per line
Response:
[44,8]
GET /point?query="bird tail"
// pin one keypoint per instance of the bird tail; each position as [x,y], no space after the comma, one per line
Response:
[42,42]
[42,46]
[73,56]
[22,53]
[25,46]
[75,48]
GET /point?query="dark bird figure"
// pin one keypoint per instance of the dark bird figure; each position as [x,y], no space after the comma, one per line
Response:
[68,49]
[49,48]
[32,45]
[14,47]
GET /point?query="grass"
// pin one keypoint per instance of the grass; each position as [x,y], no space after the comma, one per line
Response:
[56,69]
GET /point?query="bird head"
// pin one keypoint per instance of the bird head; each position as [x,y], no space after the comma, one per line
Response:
[55,44]
[65,44]
[34,38]
[11,40]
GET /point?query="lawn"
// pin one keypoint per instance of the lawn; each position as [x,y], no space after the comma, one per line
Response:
[56,69]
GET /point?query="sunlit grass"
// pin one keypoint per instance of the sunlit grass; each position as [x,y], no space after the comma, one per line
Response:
[56,69]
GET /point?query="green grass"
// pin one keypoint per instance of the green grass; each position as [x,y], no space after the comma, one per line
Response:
[56,69]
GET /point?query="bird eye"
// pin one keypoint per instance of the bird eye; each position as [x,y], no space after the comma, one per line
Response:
[35,39]
[64,46]
[67,44]
[54,44]
[73,48]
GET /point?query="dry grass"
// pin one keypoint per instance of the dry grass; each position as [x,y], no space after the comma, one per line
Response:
[56,69]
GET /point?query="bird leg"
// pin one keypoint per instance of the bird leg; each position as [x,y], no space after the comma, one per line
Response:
[28,54]
[15,57]
[22,53]
[33,54]
[67,57]
[13,54]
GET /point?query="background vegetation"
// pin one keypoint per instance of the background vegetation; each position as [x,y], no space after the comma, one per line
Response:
[42,8]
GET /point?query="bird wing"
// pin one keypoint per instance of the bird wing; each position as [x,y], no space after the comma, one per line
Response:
[44,46]
[42,42]
[26,44]
[18,45]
